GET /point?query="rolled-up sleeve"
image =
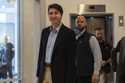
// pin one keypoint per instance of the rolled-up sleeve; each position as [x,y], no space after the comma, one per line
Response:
[95,48]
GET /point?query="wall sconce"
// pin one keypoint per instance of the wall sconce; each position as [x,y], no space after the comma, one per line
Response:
[81,8]
[121,21]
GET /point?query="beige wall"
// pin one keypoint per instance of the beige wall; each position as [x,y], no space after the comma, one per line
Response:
[112,6]
[31,21]
[27,43]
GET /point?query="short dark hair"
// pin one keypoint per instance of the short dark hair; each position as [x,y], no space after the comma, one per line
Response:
[98,29]
[57,7]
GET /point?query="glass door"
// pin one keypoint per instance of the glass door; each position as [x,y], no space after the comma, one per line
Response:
[9,42]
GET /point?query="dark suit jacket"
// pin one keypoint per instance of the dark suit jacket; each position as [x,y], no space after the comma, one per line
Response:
[63,56]
[120,78]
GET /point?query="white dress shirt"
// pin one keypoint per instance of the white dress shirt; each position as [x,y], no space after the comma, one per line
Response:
[50,43]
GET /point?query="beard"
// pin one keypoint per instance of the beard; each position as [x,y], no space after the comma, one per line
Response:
[81,29]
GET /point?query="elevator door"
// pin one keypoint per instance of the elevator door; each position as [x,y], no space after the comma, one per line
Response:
[96,22]
[104,21]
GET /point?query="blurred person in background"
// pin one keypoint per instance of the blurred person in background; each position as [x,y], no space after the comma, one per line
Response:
[7,57]
[106,48]
[119,57]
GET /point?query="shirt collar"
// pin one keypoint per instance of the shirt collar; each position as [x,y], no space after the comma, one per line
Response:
[80,34]
[56,28]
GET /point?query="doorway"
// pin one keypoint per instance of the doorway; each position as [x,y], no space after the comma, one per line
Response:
[97,20]
[10,61]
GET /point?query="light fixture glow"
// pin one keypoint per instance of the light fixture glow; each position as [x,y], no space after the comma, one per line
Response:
[81,8]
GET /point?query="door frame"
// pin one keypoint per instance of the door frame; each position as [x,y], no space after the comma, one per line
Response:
[98,14]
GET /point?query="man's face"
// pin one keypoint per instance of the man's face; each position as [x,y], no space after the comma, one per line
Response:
[99,35]
[81,22]
[54,16]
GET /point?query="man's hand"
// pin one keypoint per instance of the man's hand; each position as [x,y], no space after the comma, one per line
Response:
[95,78]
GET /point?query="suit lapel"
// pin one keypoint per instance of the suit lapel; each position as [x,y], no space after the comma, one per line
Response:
[46,38]
[59,37]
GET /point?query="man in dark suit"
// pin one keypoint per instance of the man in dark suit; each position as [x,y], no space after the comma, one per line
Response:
[57,50]
[120,70]
[7,57]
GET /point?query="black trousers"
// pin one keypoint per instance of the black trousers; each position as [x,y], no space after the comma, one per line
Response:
[83,79]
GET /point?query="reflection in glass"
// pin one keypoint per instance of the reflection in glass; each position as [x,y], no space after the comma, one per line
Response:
[9,43]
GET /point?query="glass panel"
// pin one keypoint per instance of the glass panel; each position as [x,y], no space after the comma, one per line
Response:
[9,40]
